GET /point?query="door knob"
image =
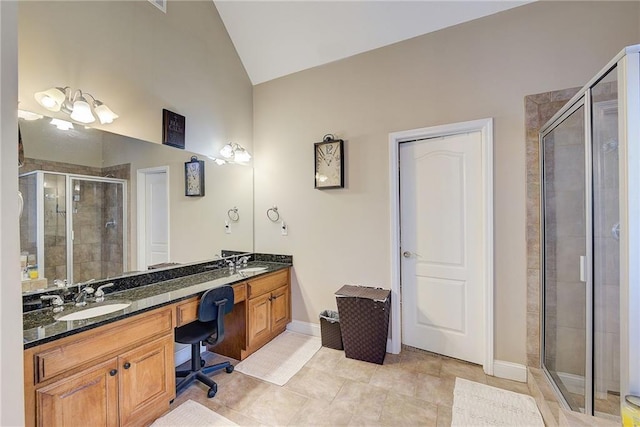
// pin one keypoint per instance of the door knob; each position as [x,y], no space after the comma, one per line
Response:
[406,254]
[127,365]
[113,372]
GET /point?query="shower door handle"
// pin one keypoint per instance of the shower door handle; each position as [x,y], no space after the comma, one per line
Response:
[583,268]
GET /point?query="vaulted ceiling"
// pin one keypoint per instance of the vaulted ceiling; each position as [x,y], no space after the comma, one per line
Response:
[276,38]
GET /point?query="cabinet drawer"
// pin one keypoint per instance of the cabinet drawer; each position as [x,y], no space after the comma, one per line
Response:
[266,284]
[101,342]
[187,311]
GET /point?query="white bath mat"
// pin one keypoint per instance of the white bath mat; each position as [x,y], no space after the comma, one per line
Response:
[281,358]
[192,414]
[476,404]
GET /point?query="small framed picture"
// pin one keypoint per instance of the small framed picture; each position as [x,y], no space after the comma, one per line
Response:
[194,177]
[173,127]
[329,163]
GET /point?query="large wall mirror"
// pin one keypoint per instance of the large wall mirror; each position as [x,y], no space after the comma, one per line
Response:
[99,205]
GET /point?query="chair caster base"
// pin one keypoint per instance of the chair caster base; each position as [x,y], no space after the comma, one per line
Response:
[229,369]
[212,391]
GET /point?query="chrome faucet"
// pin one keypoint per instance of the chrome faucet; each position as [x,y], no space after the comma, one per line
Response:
[56,302]
[242,261]
[100,293]
[81,298]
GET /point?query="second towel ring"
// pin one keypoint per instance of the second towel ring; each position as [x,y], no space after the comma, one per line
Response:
[272,214]
[233,214]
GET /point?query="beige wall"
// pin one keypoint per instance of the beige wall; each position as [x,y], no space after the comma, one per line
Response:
[138,61]
[11,379]
[475,70]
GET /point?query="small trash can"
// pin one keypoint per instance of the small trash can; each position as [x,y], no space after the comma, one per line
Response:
[330,329]
[364,321]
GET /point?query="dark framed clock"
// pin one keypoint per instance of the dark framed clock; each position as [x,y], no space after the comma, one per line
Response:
[329,163]
[194,177]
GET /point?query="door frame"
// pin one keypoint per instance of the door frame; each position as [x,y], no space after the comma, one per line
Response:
[141,197]
[485,127]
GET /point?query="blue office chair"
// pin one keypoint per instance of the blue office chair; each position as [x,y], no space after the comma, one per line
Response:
[209,328]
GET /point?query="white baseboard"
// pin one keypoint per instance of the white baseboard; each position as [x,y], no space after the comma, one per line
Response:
[304,328]
[510,371]
[314,329]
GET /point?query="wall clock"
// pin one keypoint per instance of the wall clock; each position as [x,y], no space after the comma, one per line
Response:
[194,177]
[329,163]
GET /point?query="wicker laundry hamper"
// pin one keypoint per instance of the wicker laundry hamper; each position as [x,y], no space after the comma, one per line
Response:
[364,321]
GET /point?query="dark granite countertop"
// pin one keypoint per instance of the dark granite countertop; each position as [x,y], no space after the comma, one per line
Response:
[41,326]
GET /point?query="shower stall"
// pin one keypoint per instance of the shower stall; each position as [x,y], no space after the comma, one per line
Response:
[590,234]
[73,227]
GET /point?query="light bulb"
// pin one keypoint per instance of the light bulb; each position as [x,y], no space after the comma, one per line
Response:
[241,155]
[51,99]
[104,113]
[82,111]
[227,151]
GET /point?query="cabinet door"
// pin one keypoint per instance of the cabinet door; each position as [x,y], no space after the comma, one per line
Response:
[89,398]
[259,319]
[280,308]
[147,382]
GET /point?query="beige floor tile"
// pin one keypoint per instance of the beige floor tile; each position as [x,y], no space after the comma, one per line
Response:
[505,384]
[275,406]
[457,368]
[395,379]
[321,413]
[444,416]
[325,359]
[400,410]
[240,392]
[315,384]
[425,363]
[358,421]
[355,370]
[364,400]
[435,389]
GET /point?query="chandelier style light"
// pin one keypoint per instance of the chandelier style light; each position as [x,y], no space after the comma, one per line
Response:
[235,153]
[75,104]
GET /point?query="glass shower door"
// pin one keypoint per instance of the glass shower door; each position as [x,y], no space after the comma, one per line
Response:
[98,233]
[606,248]
[565,248]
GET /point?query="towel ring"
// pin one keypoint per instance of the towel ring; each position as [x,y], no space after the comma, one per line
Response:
[272,214]
[233,214]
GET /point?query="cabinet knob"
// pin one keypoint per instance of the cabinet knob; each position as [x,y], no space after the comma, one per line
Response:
[127,365]
[113,372]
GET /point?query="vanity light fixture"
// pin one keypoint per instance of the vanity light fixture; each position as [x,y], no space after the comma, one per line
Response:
[235,153]
[75,104]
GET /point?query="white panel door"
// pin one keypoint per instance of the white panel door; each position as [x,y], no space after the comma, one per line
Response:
[156,219]
[441,243]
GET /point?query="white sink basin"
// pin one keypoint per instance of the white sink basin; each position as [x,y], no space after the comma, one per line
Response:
[96,311]
[252,269]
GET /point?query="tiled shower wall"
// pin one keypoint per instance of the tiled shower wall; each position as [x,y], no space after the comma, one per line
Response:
[97,249]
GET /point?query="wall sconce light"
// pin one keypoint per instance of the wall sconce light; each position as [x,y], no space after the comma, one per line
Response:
[236,153]
[75,104]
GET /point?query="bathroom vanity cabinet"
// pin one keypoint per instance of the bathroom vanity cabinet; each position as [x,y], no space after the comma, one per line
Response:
[269,309]
[121,374]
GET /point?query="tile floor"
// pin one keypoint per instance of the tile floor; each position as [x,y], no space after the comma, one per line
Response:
[412,388]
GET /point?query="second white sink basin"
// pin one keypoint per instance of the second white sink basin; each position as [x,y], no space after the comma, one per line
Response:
[252,269]
[96,311]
